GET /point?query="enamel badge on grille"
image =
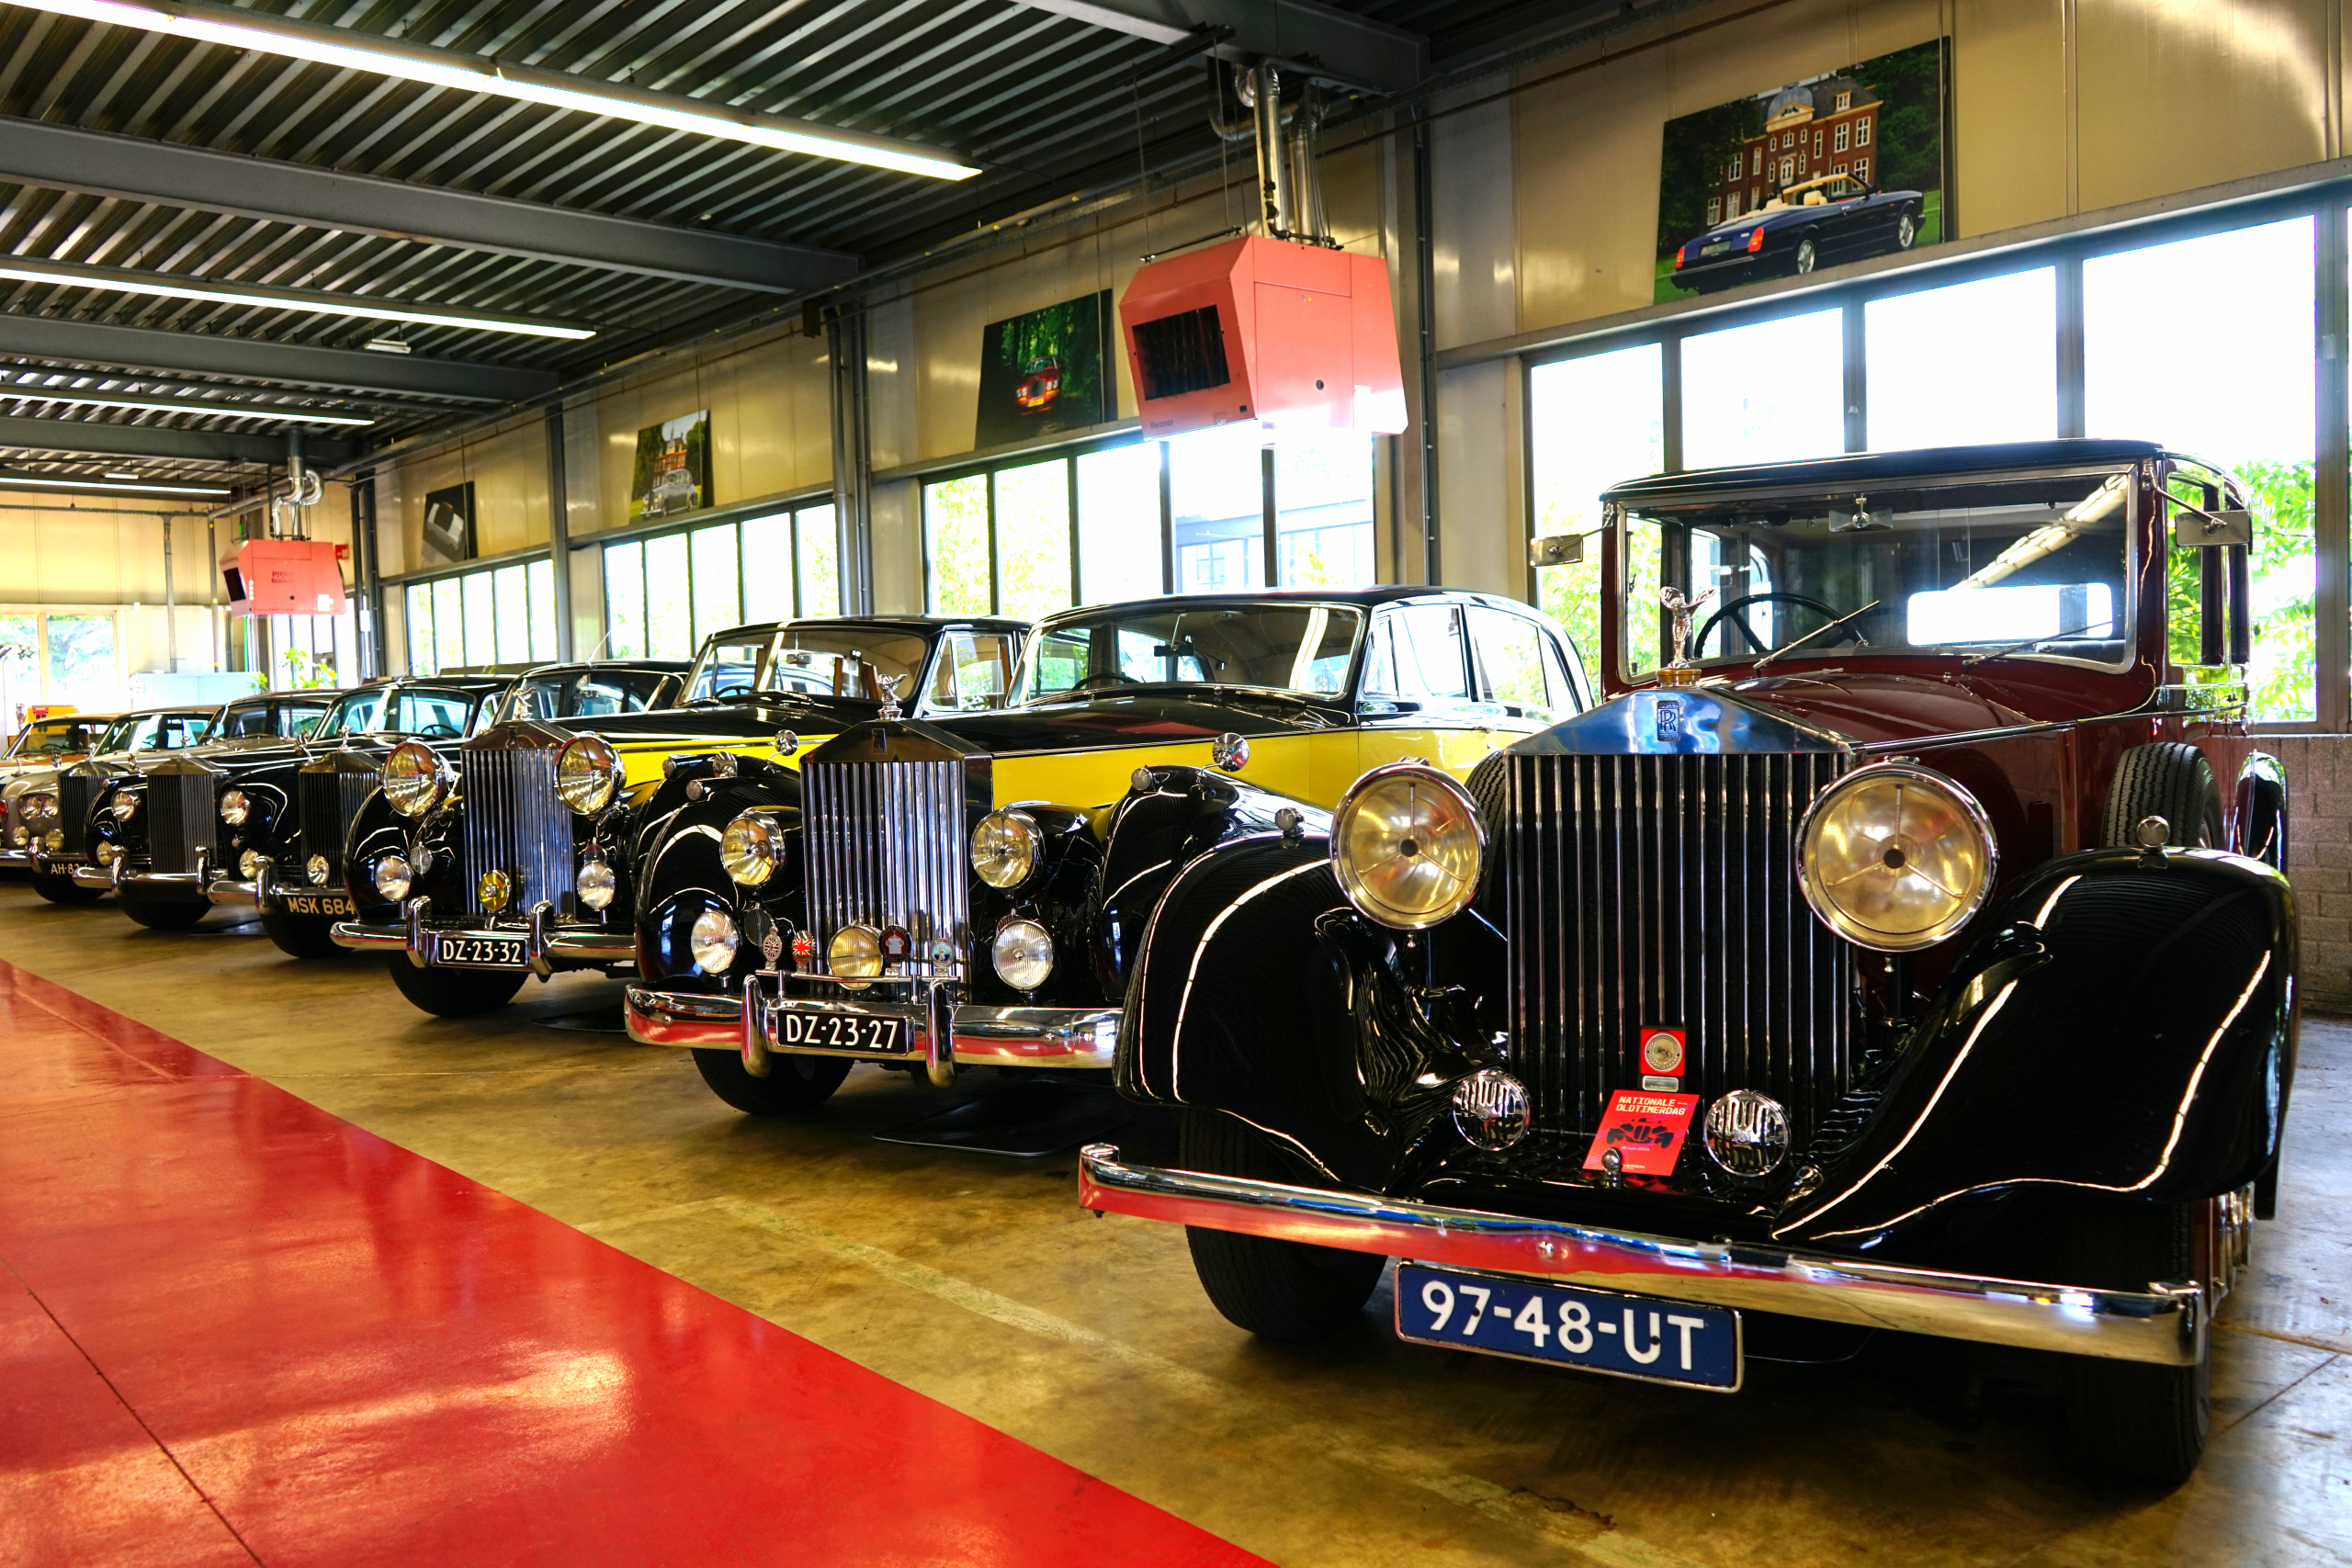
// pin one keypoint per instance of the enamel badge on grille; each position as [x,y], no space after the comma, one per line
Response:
[1490,1109]
[1747,1133]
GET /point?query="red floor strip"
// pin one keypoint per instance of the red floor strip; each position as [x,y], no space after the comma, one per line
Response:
[235,1329]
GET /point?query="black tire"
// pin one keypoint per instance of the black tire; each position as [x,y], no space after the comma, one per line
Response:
[1808,255]
[60,888]
[794,1084]
[163,914]
[456,993]
[2170,779]
[302,936]
[2133,1422]
[1276,1290]
[1907,232]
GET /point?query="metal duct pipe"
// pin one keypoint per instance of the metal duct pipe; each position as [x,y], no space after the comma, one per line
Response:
[1305,179]
[1273,164]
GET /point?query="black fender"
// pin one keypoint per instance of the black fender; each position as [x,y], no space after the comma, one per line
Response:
[2126,1026]
[2259,810]
[677,872]
[432,842]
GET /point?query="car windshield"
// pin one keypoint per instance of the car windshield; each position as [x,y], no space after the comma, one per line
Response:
[2038,562]
[1291,647]
[57,740]
[121,734]
[423,711]
[585,693]
[835,660]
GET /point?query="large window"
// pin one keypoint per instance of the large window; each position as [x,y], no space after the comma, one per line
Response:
[498,615]
[1595,421]
[665,594]
[1764,393]
[1975,361]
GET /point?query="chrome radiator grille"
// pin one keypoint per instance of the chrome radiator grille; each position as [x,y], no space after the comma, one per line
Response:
[76,796]
[330,803]
[513,823]
[1662,891]
[183,817]
[884,844]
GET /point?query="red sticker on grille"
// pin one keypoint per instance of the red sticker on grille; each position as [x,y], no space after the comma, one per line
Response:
[1646,1130]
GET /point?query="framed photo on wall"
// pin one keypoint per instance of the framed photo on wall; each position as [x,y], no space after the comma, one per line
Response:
[1044,372]
[672,471]
[449,525]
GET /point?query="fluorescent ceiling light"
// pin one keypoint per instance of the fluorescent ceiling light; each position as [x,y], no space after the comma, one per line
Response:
[11,391]
[16,481]
[73,275]
[351,50]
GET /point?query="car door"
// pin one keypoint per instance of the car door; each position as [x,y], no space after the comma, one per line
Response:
[1416,698]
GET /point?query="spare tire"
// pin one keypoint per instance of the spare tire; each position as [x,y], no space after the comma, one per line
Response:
[2170,779]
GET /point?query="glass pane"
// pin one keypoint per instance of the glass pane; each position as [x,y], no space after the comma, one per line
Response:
[669,621]
[1975,362]
[767,568]
[820,587]
[543,639]
[1292,647]
[448,623]
[956,516]
[1118,523]
[718,602]
[1323,501]
[1592,423]
[81,660]
[1765,393]
[421,657]
[1032,537]
[1216,491]
[1512,666]
[624,601]
[511,586]
[482,619]
[2245,299]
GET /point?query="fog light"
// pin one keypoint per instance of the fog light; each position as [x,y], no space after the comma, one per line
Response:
[108,853]
[317,869]
[596,885]
[21,838]
[249,864]
[1747,1133]
[236,809]
[53,838]
[391,879]
[713,941]
[854,954]
[1490,1109]
[1023,953]
[492,889]
[123,808]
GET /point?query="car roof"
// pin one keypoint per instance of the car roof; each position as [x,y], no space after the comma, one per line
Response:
[1363,598]
[917,626]
[652,666]
[1860,470]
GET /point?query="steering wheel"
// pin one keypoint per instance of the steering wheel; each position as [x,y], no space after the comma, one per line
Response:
[1106,677]
[439,732]
[1733,607]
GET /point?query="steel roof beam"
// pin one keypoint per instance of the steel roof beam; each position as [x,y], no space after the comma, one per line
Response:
[133,168]
[153,441]
[281,364]
[1335,45]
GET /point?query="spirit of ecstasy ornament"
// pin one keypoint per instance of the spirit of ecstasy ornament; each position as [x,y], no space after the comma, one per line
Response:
[1681,609]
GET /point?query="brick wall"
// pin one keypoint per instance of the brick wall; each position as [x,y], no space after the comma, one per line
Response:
[2319,859]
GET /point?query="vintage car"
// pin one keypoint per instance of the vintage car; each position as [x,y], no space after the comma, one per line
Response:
[1040,386]
[516,854]
[36,805]
[56,742]
[171,838]
[1813,224]
[940,893]
[1930,970]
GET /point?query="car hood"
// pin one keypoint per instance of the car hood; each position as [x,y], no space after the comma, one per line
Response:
[1830,712]
[1141,719]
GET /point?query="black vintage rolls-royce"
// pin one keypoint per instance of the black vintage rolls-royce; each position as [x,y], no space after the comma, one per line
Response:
[1904,945]
[515,853]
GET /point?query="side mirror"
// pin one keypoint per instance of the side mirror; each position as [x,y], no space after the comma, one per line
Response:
[2218,529]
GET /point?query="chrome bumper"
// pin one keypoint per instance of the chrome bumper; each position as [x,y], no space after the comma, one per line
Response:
[85,875]
[2163,1326]
[943,1033]
[14,858]
[544,944]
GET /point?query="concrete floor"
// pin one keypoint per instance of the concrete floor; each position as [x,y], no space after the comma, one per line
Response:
[980,1283]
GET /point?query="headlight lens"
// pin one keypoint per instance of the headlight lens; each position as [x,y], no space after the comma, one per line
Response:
[317,869]
[37,808]
[234,807]
[713,941]
[748,849]
[415,779]
[107,853]
[596,885]
[391,879]
[249,864]
[587,774]
[854,954]
[1406,845]
[1895,857]
[122,808]
[1023,953]
[1005,847]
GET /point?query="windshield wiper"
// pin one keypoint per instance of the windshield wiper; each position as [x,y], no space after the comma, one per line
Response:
[1969,661]
[1825,628]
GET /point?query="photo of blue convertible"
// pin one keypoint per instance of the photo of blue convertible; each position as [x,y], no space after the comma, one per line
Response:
[1810,224]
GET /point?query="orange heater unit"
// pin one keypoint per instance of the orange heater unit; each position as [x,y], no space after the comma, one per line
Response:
[1295,336]
[286,577]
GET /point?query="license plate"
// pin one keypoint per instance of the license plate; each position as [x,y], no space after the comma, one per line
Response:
[1716,249]
[1594,1331]
[337,905]
[880,1034]
[477,951]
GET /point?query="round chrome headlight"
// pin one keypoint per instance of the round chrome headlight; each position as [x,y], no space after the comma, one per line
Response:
[1005,846]
[122,808]
[391,879]
[416,778]
[234,807]
[317,869]
[596,885]
[106,855]
[749,847]
[1023,953]
[713,941]
[1405,846]
[249,864]
[587,774]
[1895,857]
[38,808]
[854,954]
[22,837]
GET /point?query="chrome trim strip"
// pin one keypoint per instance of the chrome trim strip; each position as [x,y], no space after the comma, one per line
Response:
[225,893]
[2163,1327]
[95,877]
[363,937]
[982,1036]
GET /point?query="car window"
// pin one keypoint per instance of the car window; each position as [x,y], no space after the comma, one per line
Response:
[434,716]
[975,671]
[174,730]
[1296,647]
[730,670]
[541,698]
[298,718]
[846,660]
[600,692]
[1417,652]
[55,740]
[1511,667]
